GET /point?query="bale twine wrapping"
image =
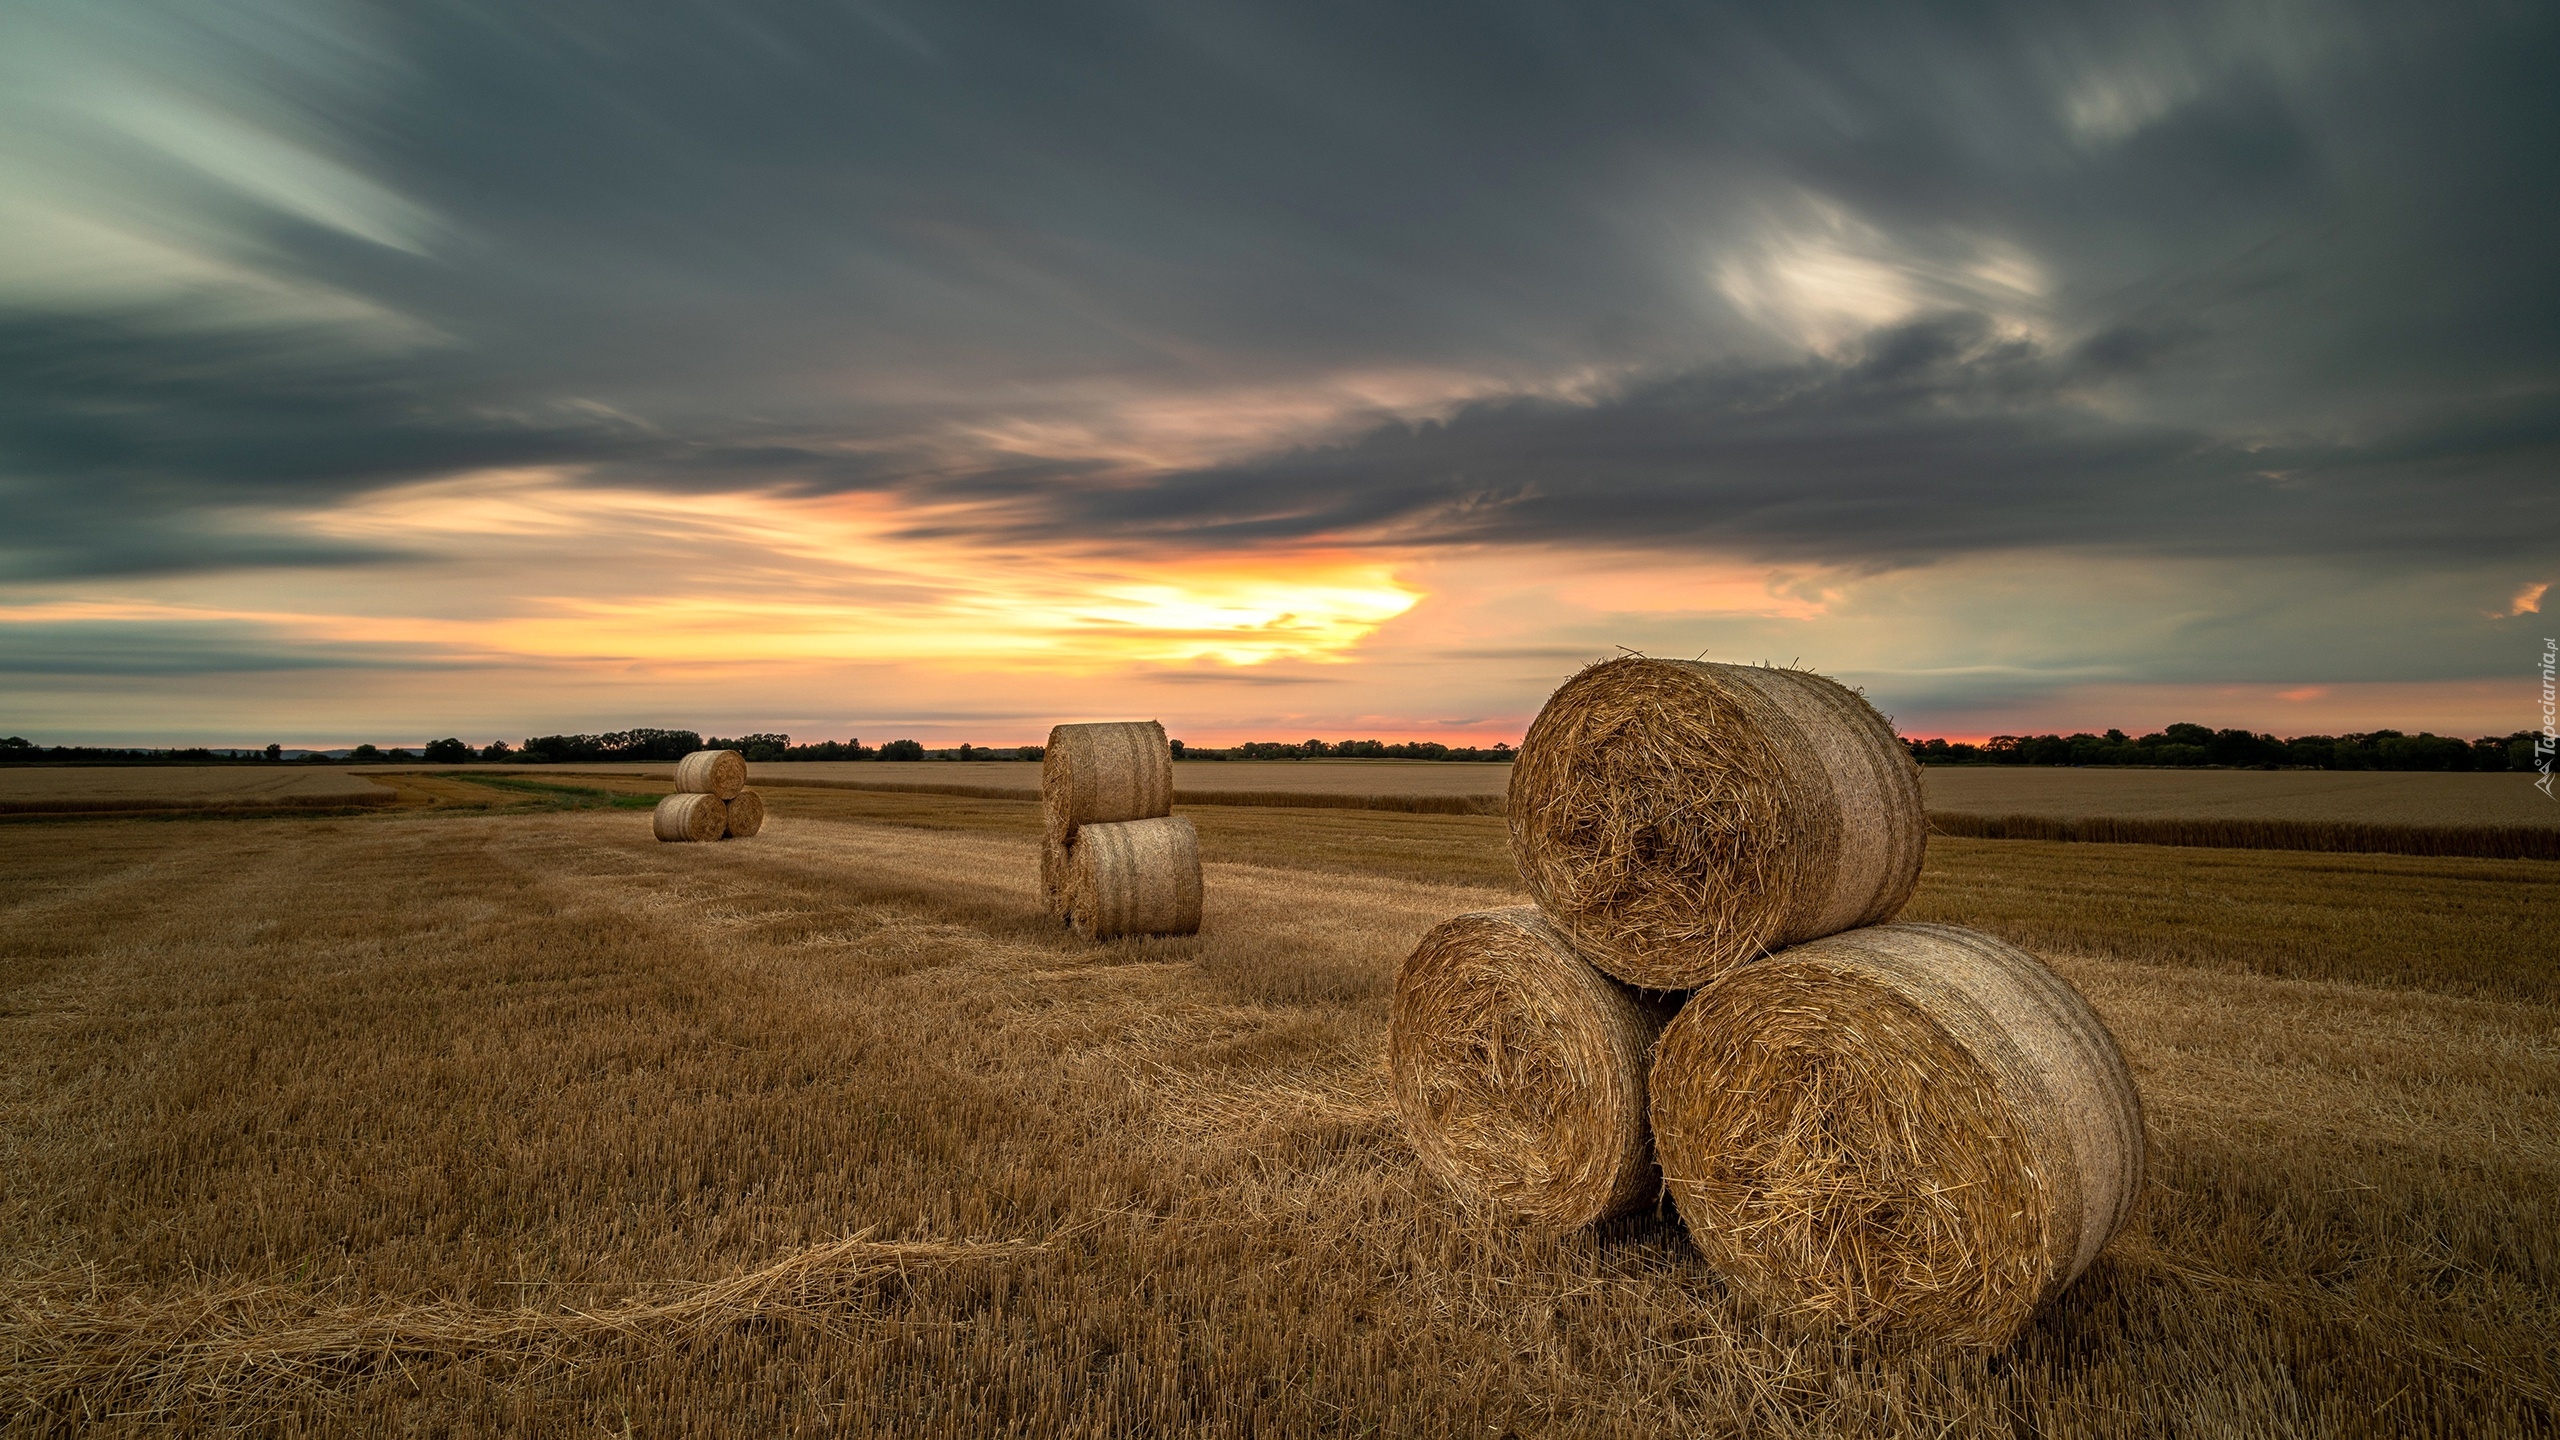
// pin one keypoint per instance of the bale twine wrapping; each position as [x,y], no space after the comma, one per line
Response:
[1676,818]
[746,815]
[1094,774]
[1056,858]
[1135,877]
[712,772]
[691,815]
[1520,1071]
[1911,1127]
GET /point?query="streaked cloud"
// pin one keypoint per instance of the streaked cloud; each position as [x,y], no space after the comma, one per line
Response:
[974,362]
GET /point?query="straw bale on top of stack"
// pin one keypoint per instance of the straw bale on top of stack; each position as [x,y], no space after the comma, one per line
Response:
[711,799]
[1113,860]
[1677,818]
[1907,1127]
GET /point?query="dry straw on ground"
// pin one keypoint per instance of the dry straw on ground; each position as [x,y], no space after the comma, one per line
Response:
[1913,1128]
[236,1344]
[746,815]
[1057,857]
[1135,877]
[1102,773]
[691,815]
[712,772]
[1676,818]
[1520,1070]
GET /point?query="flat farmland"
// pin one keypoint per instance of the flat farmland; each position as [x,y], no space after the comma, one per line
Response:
[37,787]
[513,1121]
[2371,797]
[2380,797]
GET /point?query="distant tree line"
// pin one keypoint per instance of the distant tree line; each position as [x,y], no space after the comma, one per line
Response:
[1343,750]
[2183,745]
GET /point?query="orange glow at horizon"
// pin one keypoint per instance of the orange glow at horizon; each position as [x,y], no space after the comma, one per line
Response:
[613,575]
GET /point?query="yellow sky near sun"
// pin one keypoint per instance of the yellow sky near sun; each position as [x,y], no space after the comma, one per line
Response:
[532,565]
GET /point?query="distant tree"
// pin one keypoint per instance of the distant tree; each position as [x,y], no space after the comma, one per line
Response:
[364,752]
[902,750]
[1176,744]
[275,752]
[828,750]
[397,753]
[1041,752]
[496,750]
[448,751]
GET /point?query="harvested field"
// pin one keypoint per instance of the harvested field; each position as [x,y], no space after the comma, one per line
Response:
[525,1123]
[77,789]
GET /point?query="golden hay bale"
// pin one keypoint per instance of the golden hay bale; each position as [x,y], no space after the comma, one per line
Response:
[712,772]
[1135,877]
[1676,818]
[1057,857]
[746,815]
[1090,774]
[691,815]
[1911,1127]
[1520,1070]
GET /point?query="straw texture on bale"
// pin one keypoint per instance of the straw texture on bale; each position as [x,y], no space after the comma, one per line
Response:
[1135,877]
[1520,1071]
[1103,773]
[1909,1128]
[1056,857]
[746,815]
[1676,818]
[691,815]
[712,772]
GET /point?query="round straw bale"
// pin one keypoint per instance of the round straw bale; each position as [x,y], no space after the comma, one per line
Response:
[746,814]
[691,815]
[1520,1071]
[712,772]
[1090,774]
[1910,1127]
[1135,877]
[1676,818]
[1056,858]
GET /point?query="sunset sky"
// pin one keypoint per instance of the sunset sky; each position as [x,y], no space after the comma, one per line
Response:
[885,369]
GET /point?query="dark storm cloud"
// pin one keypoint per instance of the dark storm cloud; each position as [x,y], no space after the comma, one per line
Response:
[1941,441]
[2289,290]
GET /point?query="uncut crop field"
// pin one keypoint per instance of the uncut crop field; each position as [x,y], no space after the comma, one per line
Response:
[2381,797]
[490,1115]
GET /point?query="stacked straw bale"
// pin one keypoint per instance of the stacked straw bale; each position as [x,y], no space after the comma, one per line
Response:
[711,800]
[1520,1071]
[746,815]
[1876,1127]
[690,815]
[1113,861]
[712,772]
[1134,877]
[1912,1127]
[1677,818]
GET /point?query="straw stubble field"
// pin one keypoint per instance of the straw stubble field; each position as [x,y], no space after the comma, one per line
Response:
[519,1121]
